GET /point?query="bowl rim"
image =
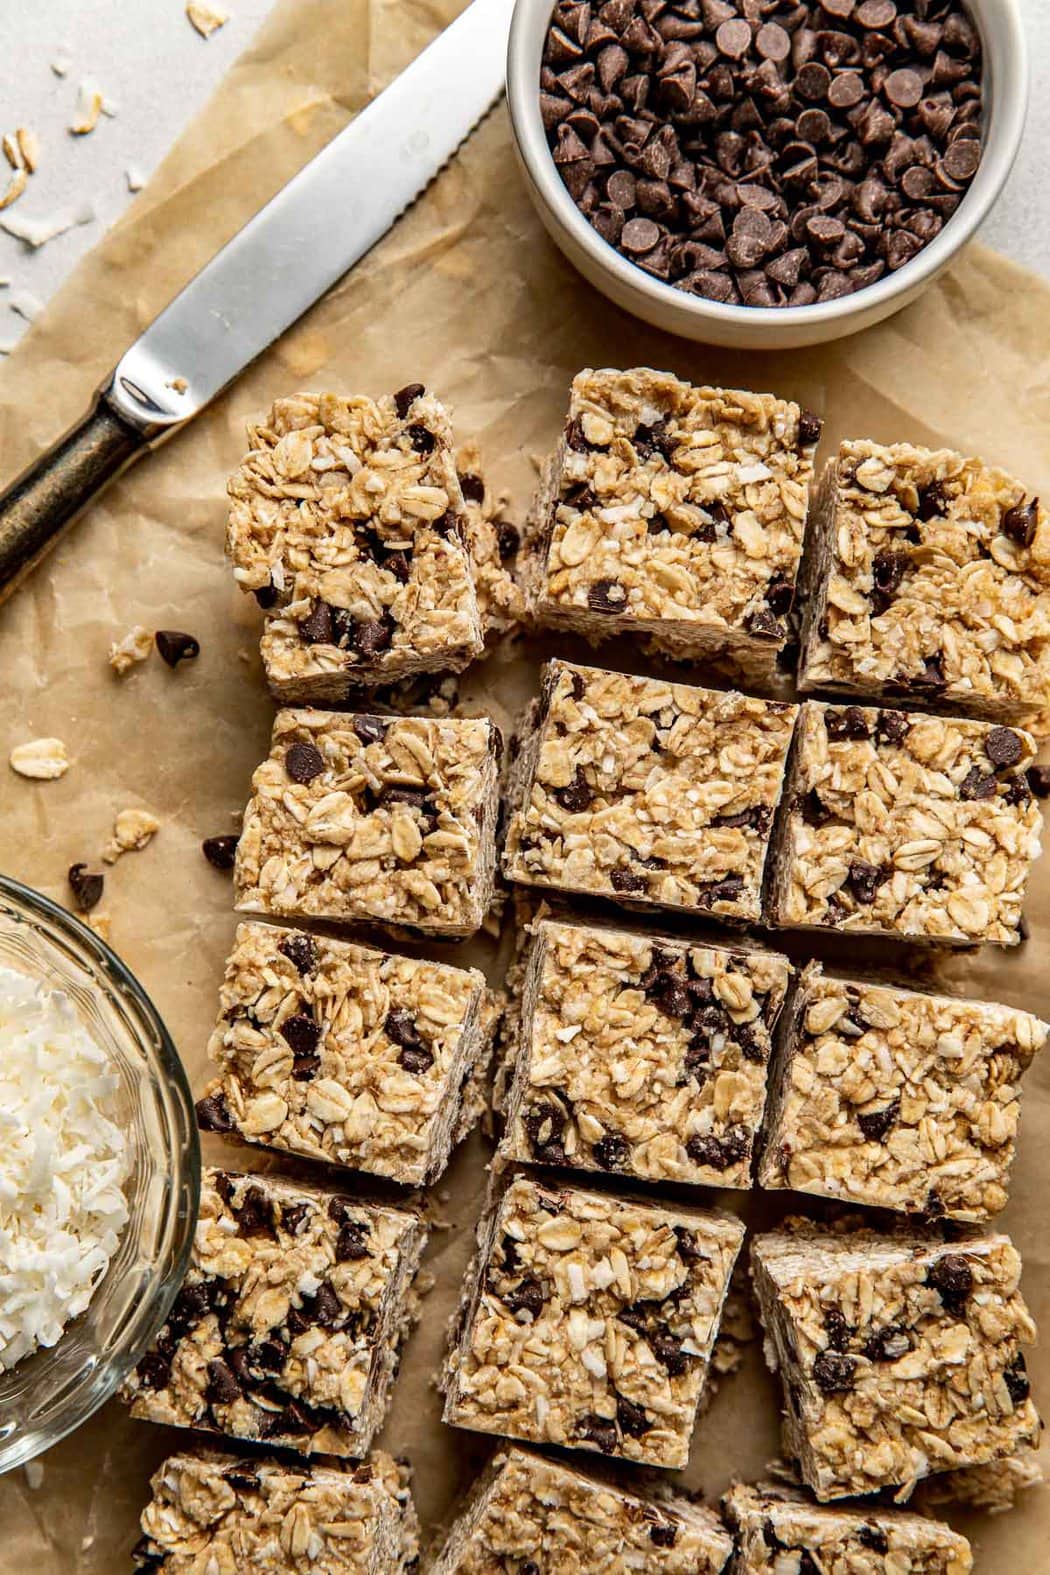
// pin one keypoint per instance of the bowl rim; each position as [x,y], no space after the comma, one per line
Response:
[1007,88]
[36,906]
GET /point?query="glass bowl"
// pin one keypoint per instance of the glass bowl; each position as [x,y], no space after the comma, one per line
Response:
[51,1392]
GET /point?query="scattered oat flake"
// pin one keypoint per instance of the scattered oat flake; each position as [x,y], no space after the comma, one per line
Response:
[132,829]
[134,647]
[134,177]
[43,759]
[15,187]
[26,304]
[205,18]
[37,232]
[89,108]
[12,150]
[29,146]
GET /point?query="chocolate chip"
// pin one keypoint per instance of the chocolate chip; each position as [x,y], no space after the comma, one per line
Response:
[875,1124]
[719,1153]
[850,723]
[406,397]
[300,952]
[1038,778]
[892,727]
[351,1244]
[372,636]
[316,627]
[370,729]
[888,571]
[1019,522]
[421,438]
[508,541]
[400,1026]
[1003,747]
[977,784]
[873,1537]
[639,236]
[220,852]
[154,1370]
[837,1329]
[727,890]
[415,1060]
[733,38]
[294,1216]
[253,1214]
[303,762]
[174,647]
[764,624]
[1015,1378]
[266,596]
[528,1296]
[613,1152]
[86,886]
[888,1344]
[302,1033]
[667,1348]
[865,879]
[607,596]
[472,488]
[833,1373]
[222,1387]
[577,796]
[688,1250]
[599,1430]
[933,501]
[780,593]
[952,1277]
[633,1419]
[213,1114]
[626,881]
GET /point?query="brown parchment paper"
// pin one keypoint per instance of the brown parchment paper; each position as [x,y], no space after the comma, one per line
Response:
[467,294]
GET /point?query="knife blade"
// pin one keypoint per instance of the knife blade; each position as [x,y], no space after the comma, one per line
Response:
[284,259]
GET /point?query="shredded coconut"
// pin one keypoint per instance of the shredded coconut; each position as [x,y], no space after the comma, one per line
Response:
[63,1164]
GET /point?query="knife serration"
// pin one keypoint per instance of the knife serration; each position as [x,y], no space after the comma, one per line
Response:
[309,235]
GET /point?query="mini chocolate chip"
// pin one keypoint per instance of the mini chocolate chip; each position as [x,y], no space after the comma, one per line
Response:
[663,1536]
[400,1026]
[888,571]
[837,1329]
[294,1216]
[300,952]
[253,1214]
[222,1387]
[850,723]
[607,596]
[220,852]
[213,1114]
[763,623]
[633,1419]
[173,646]
[813,809]
[242,1481]
[688,1250]
[316,627]
[888,1344]
[873,1537]
[865,879]
[599,1430]
[719,1153]
[875,1124]
[1038,778]
[1003,747]
[1016,1379]
[667,1348]
[613,1152]
[154,1370]
[372,636]
[627,881]
[727,890]
[952,1277]
[577,796]
[780,593]
[87,886]
[933,501]
[473,488]
[1019,523]
[406,397]
[266,596]
[527,1296]
[303,762]
[892,727]
[421,438]
[370,729]
[415,1060]
[977,784]
[351,1243]
[302,1033]
[833,1373]
[508,540]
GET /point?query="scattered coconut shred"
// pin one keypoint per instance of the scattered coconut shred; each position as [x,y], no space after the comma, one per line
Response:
[63,1164]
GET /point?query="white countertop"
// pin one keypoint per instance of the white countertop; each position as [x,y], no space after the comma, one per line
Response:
[155,71]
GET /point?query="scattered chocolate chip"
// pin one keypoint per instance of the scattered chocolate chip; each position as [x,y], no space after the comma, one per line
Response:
[577,796]
[1016,1379]
[688,1250]
[266,596]
[406,397]
[607,596]
[300,952]
[633,1419]
[220,852]
[875,1124]
[415,1059]
[1003,747]
[213,1114]
[613,1152]
[599,1430]
[888,571]
[1019,523]
[370,729]
[303,762]
[528,1296]
[833,1373]
[301,1033]
[763,623]
[952,1277]
[400,1026]
[86,886]
[1038,778]
[174,646]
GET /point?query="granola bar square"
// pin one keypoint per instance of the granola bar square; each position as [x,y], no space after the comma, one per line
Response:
[903,824]
[777,1528]
[344,1054]
[900,1355]
[358,818]
[526,1510]
[642,1055]
[347,521]
[290,1320]
[897,1099]
[214,1512]
[651,793]
[928,581]
[673,512]
[588,1320]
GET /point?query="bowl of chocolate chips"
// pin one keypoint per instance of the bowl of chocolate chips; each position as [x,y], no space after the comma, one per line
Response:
[765,173]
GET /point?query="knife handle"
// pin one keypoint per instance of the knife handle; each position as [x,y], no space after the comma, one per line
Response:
[44,499]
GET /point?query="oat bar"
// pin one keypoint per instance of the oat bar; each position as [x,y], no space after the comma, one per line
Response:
[528,1513]
[587,1320]
[674,512]
[897,1099]
[648,792]
[780,1530]
[899,1355]
[347,521]
[364,818]
[345,1054]
[289,1324]
[920,827]
[215,1514]
[642,1055]
[928,581]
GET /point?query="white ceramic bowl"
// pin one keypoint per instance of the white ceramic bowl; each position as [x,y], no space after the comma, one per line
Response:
[753,327]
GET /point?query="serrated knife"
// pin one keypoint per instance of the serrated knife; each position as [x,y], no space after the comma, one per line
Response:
[282,261]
